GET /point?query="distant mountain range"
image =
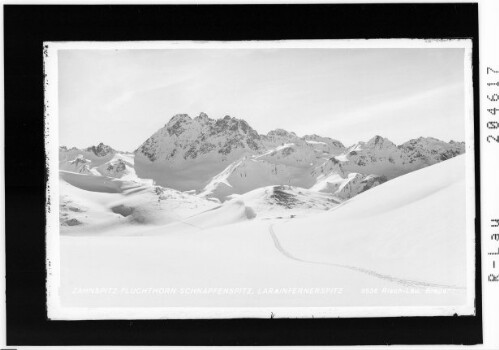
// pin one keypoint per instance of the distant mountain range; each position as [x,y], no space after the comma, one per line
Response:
[218,158]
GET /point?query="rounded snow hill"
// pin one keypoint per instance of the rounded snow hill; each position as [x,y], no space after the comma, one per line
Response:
[286,201]
[100,205]
[412,227]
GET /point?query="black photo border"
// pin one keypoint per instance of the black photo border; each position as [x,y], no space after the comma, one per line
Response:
[26,27]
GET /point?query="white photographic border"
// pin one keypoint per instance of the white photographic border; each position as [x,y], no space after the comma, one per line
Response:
[57,312]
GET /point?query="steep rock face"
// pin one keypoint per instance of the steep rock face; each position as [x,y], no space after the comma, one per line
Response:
[184,138]
[101,150]
[377,156]
[430,150]
[382,157]
[115,168]
[187,153]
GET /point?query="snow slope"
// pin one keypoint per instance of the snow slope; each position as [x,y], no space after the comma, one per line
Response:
[387,239]
[239,209]
[248,174]
[287,201]
[223,257]
[99,205]
[332,177]
[289,164]
[400,228]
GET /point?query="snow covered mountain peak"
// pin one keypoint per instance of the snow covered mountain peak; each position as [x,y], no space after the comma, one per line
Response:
[184,142]
[425,142]
[279,137]
[281,133]
[66,149]
[382,157]
[178,124]
[202,118]
[380,143]
[431,150]
[101,150]
[233,125]
[226,155]
[325,146]
[179,117]
[327,140]
[187,138]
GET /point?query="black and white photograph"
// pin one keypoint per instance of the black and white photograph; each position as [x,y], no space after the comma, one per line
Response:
[243,174]
[321,178]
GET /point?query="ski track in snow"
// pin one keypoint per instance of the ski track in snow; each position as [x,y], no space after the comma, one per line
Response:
[404,282]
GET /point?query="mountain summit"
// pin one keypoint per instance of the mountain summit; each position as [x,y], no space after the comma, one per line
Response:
[101,150]
[225,156]
[187,152]
[184,138]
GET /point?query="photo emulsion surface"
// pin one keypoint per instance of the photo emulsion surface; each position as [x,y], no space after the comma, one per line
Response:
[259,179]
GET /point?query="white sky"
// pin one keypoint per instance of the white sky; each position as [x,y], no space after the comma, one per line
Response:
[121,97]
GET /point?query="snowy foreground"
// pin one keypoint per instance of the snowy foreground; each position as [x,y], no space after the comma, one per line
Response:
[402,243]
